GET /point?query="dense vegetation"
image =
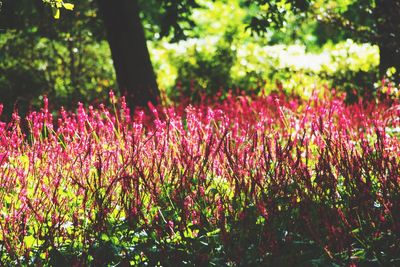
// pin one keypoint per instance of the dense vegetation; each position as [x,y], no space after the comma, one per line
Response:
[246,181]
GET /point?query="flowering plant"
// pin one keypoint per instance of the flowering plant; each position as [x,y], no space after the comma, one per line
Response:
[247,180]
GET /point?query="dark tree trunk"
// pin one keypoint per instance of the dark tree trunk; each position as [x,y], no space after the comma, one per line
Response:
[135,74]
[388,35]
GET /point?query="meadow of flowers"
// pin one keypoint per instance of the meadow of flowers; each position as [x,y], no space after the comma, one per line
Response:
[250,180]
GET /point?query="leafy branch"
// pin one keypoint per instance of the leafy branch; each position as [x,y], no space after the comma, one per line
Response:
[57,5]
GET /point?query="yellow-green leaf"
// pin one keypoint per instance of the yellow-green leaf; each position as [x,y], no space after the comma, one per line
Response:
[68,6]
[57,13]
[24,159]
[29,241]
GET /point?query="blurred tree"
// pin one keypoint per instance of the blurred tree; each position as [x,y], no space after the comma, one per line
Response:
[386,33]
[125,34]
[68,58]
[127,40]
[373,21]
[65,59]
[60,54]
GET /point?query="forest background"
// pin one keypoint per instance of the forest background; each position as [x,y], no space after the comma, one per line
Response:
[196,47]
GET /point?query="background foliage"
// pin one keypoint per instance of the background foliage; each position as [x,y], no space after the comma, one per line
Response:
[208,48]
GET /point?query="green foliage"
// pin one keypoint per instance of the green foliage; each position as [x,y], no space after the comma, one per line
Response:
[306,43]
[169,19]
[206,71]
[273,14]
[297,58]
[195,66]
[66,59]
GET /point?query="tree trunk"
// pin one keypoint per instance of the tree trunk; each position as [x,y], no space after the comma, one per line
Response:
[388,35]
[125,34]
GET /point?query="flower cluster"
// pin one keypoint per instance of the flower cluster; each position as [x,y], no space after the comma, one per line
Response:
[247,180]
